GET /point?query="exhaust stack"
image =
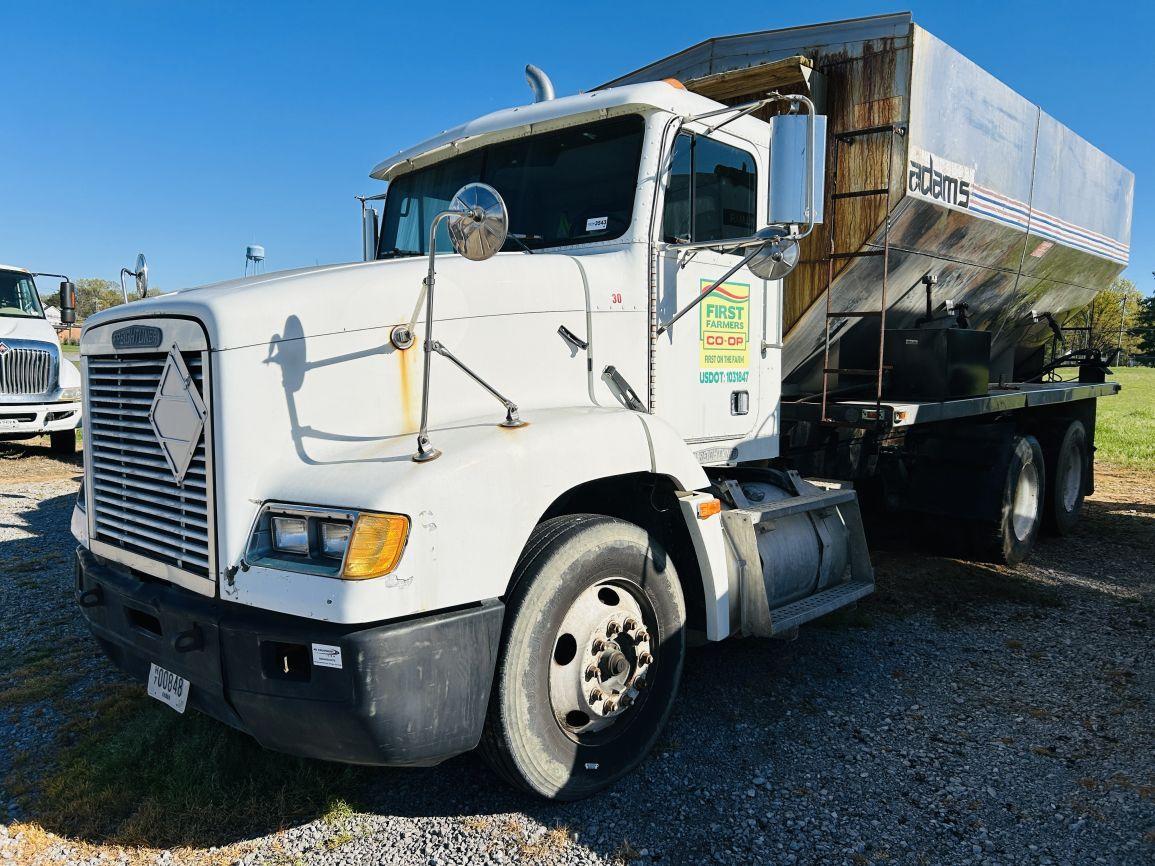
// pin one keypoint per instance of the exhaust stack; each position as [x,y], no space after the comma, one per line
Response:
[539,83]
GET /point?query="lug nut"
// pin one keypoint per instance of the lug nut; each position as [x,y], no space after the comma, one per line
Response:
[625,701]
[645,659]
[612,628]
[596,695]
[639,683]
[591,672]
[630,624]
[642,636]
[608,707]
[599,645]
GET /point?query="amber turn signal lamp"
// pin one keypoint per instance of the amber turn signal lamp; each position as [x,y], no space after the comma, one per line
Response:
[376,546]
[709,508]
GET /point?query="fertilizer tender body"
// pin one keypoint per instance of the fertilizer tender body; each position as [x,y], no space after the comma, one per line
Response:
[941,164]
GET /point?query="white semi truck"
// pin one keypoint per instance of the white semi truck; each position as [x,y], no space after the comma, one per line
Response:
[39,387]
[608,383]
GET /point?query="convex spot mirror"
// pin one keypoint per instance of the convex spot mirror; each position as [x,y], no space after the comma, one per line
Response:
[68,303]
[141,275]
[479,222]
[777,257]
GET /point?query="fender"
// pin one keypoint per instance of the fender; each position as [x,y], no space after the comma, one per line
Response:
[471,510]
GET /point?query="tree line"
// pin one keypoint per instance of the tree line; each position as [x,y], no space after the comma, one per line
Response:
[1119,317]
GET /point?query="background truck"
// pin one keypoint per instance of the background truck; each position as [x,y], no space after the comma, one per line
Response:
[605,386]
[39,388]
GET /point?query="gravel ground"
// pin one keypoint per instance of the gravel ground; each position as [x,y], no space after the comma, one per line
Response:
[962,714]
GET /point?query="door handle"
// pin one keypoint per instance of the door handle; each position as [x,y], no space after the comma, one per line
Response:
[572,338]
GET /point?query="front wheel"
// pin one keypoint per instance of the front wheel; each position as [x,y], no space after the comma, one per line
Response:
[591,657]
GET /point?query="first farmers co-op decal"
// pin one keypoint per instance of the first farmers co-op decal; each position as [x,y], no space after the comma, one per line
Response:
[724,329]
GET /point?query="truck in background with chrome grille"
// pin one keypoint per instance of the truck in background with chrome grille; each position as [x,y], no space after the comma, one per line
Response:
[39,388]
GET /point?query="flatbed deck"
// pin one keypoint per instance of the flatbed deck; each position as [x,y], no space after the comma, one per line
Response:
[900,413]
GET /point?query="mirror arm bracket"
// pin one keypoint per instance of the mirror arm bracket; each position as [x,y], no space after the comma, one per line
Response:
[702,295]
[123,290]
[511,419]
[462,211]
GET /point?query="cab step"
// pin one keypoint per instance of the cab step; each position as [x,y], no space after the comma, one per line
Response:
[790,616]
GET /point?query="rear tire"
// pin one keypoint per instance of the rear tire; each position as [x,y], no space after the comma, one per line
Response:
[1023,503]
[578,575]
[62,442]
[1068,480]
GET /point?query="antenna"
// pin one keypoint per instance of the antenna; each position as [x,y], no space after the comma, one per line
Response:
[255,256]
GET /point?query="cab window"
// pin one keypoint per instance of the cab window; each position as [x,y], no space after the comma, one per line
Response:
[571,186]
[712,192]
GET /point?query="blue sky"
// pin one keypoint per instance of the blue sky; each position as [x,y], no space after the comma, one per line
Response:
[187,130]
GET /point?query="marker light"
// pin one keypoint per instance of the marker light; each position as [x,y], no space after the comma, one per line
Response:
[291,535]
[709,508]
[376,546]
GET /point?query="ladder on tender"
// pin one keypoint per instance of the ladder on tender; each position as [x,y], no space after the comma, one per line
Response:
[841,140]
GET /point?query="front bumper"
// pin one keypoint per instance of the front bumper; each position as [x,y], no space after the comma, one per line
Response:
[409,692]
[19,420]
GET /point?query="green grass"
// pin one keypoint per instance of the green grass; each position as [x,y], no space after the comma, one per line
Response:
[141,775]
[1125,428]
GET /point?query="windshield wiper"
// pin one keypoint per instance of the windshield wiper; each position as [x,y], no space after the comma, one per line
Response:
[519,242]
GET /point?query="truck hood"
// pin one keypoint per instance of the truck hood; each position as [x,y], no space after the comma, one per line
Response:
[350,297]
[19,328]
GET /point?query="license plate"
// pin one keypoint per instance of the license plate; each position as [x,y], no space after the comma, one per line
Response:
[168,687]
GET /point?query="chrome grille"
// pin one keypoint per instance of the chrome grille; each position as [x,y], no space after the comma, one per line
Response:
[137,504]
[26,371]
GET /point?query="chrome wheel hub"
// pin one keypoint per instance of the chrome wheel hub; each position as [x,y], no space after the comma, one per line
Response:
[1026,505]
[602,656]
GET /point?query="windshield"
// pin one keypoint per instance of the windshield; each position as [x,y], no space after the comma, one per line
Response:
[18,296]
[572,186]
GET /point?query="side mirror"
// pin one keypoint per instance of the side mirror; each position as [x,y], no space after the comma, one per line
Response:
[797,168]
[370,231]
[67,303]
[141,275]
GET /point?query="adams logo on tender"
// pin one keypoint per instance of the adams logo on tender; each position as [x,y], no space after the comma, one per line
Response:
[939,180]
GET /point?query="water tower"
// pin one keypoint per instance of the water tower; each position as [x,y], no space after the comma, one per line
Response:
[254,259]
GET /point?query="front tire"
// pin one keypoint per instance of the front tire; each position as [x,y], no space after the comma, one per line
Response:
[591,657]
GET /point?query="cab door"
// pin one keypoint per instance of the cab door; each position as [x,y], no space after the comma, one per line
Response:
[707,364]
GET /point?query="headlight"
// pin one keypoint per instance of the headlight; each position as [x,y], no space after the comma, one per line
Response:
[291,535]
[352,545]
[69,394]
[334,538]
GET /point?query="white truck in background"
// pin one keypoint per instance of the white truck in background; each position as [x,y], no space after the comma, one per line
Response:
[486,486]
[39,387]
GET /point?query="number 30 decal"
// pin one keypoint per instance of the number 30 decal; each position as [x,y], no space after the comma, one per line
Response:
[615,297]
